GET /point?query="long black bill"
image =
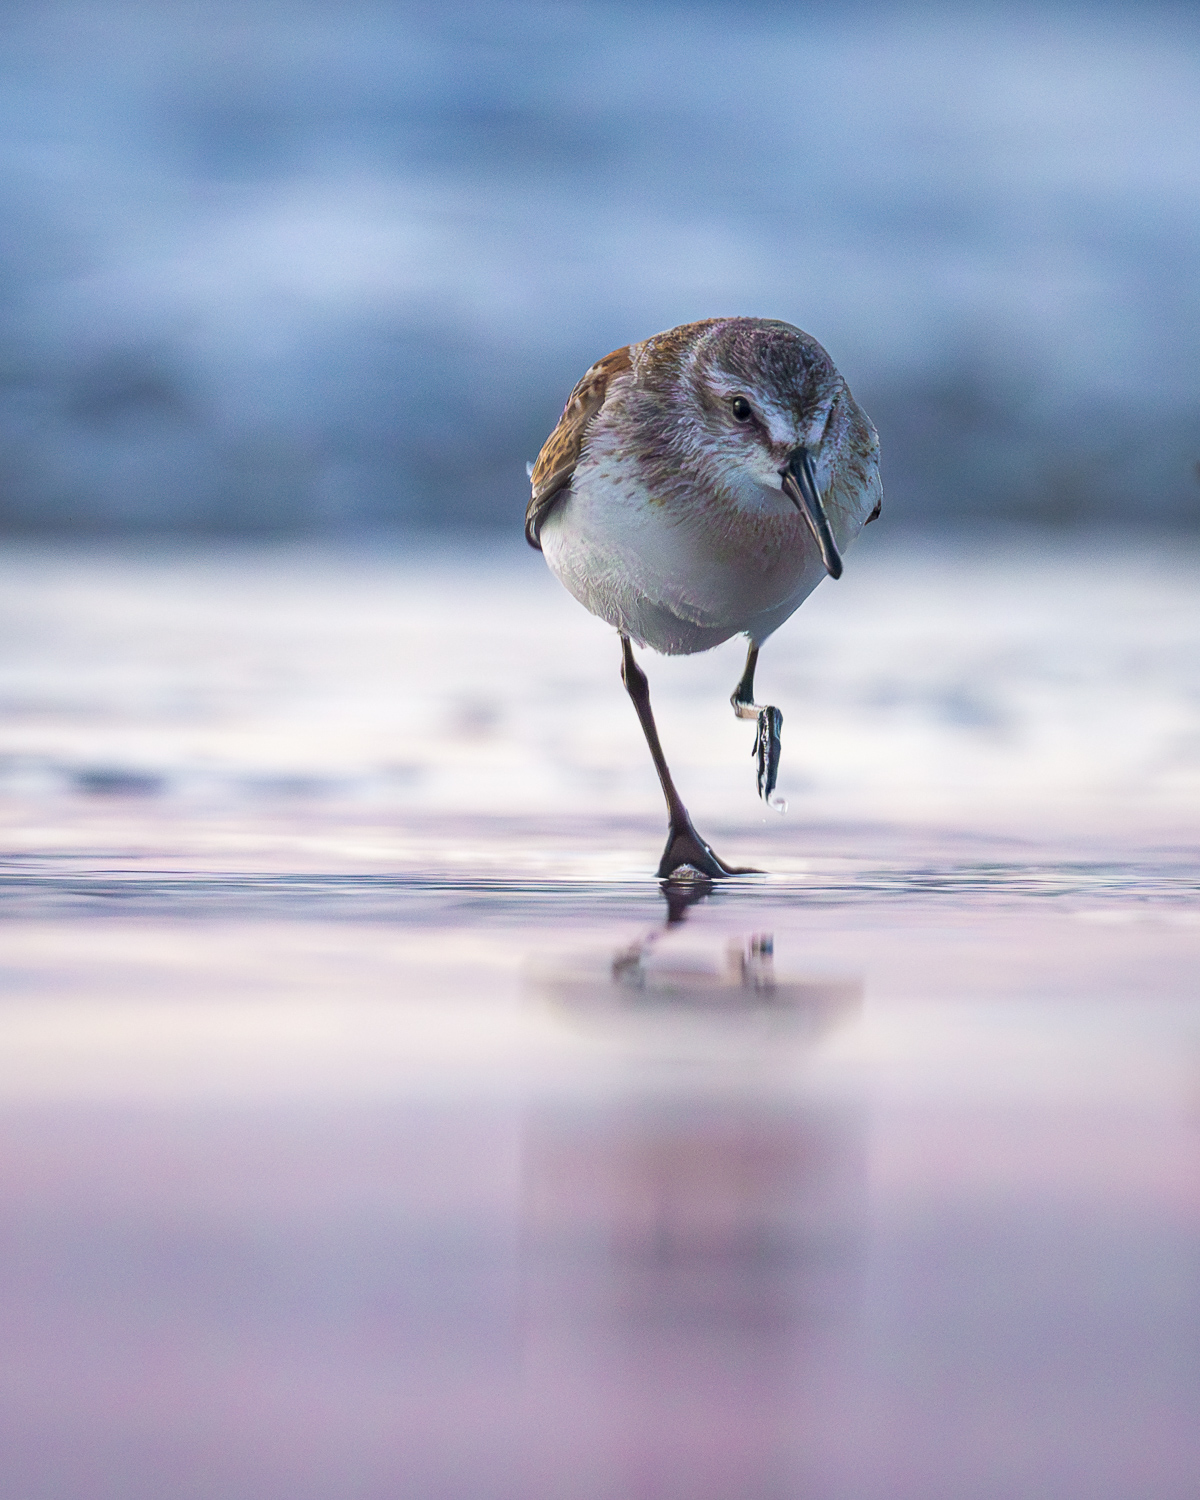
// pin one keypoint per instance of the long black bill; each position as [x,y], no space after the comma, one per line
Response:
[800,486]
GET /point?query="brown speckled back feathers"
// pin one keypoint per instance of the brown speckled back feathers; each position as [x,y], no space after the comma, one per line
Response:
[560,452]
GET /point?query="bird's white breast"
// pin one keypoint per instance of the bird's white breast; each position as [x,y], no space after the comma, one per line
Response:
[680,577]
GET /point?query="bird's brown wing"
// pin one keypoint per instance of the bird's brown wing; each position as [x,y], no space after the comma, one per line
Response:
[556,462]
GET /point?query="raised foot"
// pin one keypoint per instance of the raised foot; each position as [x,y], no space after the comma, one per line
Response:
[768,743]
[686,849]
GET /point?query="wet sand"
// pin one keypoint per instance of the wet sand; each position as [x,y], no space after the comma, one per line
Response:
[370,1130]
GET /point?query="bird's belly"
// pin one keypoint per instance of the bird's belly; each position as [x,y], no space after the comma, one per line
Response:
[677,581]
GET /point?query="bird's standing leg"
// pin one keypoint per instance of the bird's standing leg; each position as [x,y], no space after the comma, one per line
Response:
[768,740]
[684,844]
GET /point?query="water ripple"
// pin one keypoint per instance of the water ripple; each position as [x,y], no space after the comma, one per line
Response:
[56,886]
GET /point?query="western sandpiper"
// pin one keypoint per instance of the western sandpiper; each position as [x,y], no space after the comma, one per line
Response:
[699,485]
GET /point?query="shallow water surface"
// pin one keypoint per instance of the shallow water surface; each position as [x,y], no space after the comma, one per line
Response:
[380,1133]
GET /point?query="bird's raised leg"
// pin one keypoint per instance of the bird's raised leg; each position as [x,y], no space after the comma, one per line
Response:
[684,844]
[768,740]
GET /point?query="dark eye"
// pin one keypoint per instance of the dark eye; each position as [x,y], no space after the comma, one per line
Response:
[741,409]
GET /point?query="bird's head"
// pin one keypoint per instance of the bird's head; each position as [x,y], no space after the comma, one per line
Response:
[762,393]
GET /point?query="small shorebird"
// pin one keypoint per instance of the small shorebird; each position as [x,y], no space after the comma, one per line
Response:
[699,485]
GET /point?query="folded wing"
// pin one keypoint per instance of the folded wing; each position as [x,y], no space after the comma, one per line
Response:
[551,477]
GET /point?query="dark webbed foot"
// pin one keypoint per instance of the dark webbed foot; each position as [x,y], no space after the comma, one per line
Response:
[685,848]
[768,740]
[767,745]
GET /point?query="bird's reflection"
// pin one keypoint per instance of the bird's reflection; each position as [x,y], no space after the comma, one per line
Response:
[682,974]
[680,895]
[748,965]
[691,1221]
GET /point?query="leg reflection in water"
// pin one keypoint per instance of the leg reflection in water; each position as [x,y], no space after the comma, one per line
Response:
[680,969]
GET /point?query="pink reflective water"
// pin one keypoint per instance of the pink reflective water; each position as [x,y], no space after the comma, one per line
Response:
[356,1146]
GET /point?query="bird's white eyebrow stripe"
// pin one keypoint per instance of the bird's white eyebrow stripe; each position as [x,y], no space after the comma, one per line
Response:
[779,421]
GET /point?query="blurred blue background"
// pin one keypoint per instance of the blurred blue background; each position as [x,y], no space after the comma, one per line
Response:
[268,267]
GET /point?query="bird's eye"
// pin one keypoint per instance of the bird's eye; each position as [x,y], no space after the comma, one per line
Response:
[741,409]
